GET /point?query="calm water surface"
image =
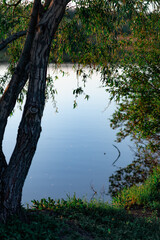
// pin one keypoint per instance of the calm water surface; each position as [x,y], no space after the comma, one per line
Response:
[75,151]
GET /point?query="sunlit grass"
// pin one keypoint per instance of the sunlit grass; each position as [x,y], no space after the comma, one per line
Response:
[144,195]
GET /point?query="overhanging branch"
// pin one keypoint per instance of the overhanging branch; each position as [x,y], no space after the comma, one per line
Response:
[12,5]
[11,38]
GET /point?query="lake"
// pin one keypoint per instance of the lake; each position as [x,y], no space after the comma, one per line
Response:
[75,151]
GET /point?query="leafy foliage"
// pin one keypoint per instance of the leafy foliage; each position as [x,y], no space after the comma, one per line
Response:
[136,84]
[134,174]
[14,19]
[146,194]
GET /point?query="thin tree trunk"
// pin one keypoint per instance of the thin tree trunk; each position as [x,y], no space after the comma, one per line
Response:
[19,78]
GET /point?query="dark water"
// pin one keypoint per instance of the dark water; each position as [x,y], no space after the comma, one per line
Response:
[75,151]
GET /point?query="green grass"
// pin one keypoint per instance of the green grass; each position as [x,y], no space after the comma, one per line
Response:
[78,220]
[144,195]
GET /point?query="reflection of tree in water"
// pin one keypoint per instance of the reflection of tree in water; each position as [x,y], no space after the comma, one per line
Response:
[135,173]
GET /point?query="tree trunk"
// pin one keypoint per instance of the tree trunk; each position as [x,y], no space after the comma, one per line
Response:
[19,78]
[14,174]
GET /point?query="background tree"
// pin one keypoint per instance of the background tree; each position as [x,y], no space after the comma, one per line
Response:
[136,88]
[137,85]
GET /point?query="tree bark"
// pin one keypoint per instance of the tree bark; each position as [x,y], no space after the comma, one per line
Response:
[15,173]
[19,78]
[8,100]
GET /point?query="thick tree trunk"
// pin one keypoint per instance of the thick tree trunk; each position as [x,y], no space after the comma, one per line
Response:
[8,100]
[14,175]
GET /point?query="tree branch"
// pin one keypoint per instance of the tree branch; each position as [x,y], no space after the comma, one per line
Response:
[12,5]
[11,38]
[19,78]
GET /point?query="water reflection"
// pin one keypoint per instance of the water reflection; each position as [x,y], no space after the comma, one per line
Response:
[75,151]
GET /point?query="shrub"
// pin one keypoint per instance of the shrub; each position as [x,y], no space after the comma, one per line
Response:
[146,194]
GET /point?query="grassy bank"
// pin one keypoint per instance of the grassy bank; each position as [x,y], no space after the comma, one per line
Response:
[146,195]
[77,219]
[134,215]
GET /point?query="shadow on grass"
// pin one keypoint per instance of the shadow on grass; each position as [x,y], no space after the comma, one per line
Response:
[78,219]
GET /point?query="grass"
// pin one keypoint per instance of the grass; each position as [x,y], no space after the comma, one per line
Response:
[146,195]
[79,220]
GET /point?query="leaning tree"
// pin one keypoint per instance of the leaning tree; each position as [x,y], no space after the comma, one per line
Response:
[32,65]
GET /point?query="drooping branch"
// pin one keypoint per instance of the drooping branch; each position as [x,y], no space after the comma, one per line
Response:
[19,78]
[11,38]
